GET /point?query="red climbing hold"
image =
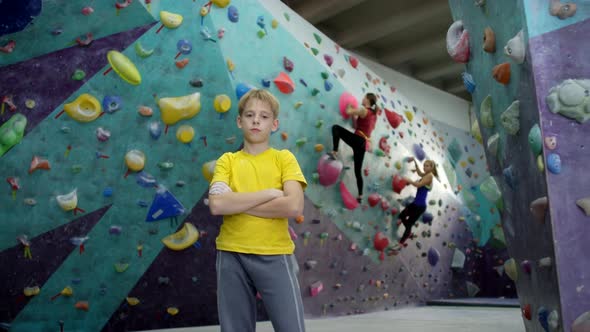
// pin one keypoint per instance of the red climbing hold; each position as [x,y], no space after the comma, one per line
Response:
[380,243]
[398,183]
[374,199]
[284,83]
[349,201]
[393,118]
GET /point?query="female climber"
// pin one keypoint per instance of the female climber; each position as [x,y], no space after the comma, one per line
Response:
[364,119]
[415,209]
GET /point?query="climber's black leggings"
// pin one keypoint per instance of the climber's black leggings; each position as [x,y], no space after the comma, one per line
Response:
[409,216]
[358,145]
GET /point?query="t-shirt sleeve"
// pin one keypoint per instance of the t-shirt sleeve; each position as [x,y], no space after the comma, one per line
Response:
[222,170]
[291,169]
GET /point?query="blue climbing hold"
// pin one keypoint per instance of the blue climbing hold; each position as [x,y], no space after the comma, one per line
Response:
[164,205]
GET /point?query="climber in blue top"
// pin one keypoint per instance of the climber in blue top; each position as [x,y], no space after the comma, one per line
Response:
[414,210]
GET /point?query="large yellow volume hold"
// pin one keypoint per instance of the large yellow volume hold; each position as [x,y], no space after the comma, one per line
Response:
[170,20]
[174,109]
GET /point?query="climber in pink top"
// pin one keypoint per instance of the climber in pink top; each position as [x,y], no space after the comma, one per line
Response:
[364,120]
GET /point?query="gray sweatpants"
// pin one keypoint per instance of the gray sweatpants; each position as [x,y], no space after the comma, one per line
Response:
[240,276]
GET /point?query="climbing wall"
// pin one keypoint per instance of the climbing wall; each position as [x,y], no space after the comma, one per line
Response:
[111,116]
[535,145]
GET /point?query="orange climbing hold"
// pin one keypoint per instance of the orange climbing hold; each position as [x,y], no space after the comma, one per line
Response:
[501,73]
[39,163]
[300,219]
[284,83]
[181,63]
[82,305]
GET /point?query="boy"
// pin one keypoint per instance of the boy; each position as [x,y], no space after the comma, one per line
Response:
[256,189]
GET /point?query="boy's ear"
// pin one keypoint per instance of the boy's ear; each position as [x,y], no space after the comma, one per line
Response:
[239,122]
[275,125]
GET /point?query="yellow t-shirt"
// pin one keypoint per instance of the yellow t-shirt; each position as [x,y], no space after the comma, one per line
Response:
[243,172]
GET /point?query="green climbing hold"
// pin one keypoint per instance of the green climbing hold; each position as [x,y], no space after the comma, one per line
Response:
[261,33]
[301,141]
[319,124]
[487,120]
[315,51]
[12,132]
[535,140]
[165,165]
[493,144]
[315,177]
[78,75]
[314,92]
[432,202]
[379,153]
[317,38]
[511,118]
[325,75]
[287,17]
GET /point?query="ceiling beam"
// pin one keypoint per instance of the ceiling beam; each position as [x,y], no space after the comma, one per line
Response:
[401,54]
[364,33]
[315,11]
[440,70]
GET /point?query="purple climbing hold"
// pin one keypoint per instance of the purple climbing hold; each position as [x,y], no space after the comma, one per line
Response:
[288,64]
[329,60]
[526,266]
[433,256]
[419,152]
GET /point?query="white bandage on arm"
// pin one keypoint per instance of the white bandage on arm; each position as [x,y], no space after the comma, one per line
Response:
[219,188]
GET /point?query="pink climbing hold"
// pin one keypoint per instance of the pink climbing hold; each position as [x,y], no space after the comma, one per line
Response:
[346,99]
[316,288]
[329,60]
[354,62]
[393,118]
[284,83]
[347,198]
[384,204]
[374,199]
[398,183]
[288,64]
[380,242]
[394,211]
[329,170]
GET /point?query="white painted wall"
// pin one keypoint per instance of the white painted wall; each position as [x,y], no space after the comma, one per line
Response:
[438,104]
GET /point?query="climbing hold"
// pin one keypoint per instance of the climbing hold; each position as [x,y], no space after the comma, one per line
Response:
[509,177]
[380,243]
[393,118]
[164,205]
[493,144]
[124,67]
[242,89]
[582,323]
[526,266]
[78,75]
[374,199]
[571,98]
[543,315]
[132,301]
[329,170]
[511,118]
[170,20]
[476,132]
[433,256]
[174,109]
[584,204]
[526,311]
[551,142]
[472,289]
[284,83]
[184,238]
[349,201]
[181,63]
[545,262]
[30,104]
[458,42]
[222,103]
[135,160]
[69,201]
[354,62]
[427,218]
[515,48]
[501,73]
[220,33]
[185,134]
[510,269]
[489,188]
[468,82]
[328,59]
[232,14]
[301,141]
[184,47]
[155,129]
[298,105]
[562,10]
[409,115]
[553,320]
[318,147]
[145,111]
[39,163]
[111,104]
[458,259]
[102,134]
[328,85]
[142,52]
[288,64]
[554,163]
[485,110]
[12,132]
[538,208]
[398,183]
[274,23]
[419,152]
[8,47]
[85,108]
[535,139]
[31,291]
[317,37]
[316,288]
[346,100]
[489,40]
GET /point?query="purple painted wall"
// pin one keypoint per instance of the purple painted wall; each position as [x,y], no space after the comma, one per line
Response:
[556,56]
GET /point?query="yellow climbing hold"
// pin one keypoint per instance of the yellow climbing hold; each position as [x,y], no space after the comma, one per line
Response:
[67,291]
[510,269]
[85,108]
[174,109]
[208,169]
[135,160]
[222,103]
[184,238]
[172,311]
[298,104]
[31,291]
[221,3]
[409,115]
[540,163]
[274,24]
[30,104]
[124,67]
[121,267]
[185,134]
[318,147]
[170,20]
[133,301]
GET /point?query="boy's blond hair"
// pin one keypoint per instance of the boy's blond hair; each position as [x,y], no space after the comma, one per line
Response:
[262,95]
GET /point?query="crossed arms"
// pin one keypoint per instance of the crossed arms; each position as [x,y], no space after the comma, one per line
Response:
[268,203]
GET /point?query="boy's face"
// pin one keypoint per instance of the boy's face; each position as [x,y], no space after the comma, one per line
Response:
[257,121]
